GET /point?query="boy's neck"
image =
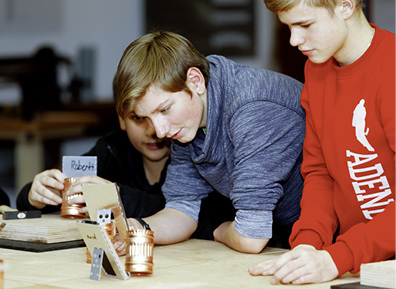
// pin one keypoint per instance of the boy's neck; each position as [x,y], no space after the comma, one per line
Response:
[153,169]
[358,40]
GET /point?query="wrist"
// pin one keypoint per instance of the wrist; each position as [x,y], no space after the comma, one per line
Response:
[144,225]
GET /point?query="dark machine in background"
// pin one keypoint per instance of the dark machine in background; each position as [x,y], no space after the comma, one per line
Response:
[37,77]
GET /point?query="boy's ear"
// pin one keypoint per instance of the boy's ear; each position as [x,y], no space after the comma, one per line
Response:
[196,80]
[347,8]
[121,120]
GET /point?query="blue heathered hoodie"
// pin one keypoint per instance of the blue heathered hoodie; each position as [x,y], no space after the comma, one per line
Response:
[251,152]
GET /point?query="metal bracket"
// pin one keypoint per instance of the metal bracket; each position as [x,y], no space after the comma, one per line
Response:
[96,264]
[103,216]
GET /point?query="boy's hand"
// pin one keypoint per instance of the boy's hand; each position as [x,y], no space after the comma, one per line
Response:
[46,189]
[303,264]
[120,246]
[76,189]
[119,243]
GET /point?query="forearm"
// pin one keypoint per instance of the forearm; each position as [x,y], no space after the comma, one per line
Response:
[226,234]
[169,226]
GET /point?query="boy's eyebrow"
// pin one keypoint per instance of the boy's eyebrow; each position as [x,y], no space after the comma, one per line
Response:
[299,22]
[158,108]
[296,23]
[133,113]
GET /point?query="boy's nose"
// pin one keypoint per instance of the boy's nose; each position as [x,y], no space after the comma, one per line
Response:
[296,38]
[160,128]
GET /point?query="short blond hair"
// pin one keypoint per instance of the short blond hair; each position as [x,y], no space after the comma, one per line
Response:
[160,58]
[285,5]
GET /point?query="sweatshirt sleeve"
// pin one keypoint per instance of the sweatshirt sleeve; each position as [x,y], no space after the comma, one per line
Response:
[4,199]
[365,242]
[23,204]
[184,188]
[318,222]
[22,201]
[265,155]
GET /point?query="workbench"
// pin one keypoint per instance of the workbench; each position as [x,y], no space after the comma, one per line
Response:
[190,264]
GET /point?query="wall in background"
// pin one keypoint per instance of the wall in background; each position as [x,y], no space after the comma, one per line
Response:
[108,27]
[383,14]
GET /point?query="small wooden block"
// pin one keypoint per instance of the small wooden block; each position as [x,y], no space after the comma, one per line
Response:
[379,274]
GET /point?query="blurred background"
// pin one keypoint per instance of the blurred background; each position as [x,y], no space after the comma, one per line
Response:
[58,59]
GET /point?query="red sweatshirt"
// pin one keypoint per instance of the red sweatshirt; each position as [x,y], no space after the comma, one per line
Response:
[349,157]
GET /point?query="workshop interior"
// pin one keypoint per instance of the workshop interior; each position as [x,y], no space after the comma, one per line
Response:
[60,56]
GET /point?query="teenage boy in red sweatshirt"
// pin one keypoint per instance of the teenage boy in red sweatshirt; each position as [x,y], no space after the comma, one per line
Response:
[349,148]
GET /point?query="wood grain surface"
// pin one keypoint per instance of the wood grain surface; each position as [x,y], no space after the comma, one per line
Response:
[50,228]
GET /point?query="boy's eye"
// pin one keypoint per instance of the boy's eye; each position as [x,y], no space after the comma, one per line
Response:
[164,110]
[136,118]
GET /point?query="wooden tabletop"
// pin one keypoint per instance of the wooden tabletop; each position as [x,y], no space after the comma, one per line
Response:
[190,264]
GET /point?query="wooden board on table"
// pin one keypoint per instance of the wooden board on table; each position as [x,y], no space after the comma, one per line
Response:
[50,228]
[379,274]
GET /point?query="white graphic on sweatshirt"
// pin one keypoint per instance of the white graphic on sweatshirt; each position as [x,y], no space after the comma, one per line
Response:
[359,122]
[369,180]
